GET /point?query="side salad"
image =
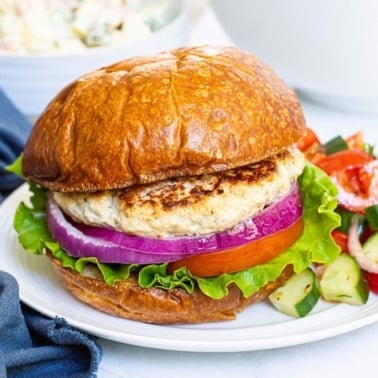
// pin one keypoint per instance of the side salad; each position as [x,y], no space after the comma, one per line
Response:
[352,166]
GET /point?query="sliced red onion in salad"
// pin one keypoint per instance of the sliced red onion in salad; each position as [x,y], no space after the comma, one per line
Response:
[355,248]
[111,246]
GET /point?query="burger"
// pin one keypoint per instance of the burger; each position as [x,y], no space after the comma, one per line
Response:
[168,188]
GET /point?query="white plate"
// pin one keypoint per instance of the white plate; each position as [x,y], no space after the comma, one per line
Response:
[259,327]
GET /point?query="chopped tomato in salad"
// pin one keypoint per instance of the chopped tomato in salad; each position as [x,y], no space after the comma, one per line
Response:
[372,279]
[341,239]
[343,161]
[353,168]
[310,145]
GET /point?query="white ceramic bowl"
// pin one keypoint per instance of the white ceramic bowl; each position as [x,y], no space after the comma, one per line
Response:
[31,80]
[326,49]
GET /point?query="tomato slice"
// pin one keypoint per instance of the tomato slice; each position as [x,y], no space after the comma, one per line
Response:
[235,259]
[341,160]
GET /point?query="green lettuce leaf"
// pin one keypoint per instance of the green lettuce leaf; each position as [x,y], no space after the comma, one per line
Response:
[155,275]
[314,245]
[16,167]
[319,197]
[30,222]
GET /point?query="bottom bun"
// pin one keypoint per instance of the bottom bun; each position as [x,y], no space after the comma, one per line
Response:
[127,299]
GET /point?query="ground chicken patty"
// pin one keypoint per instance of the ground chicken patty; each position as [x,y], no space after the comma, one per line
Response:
[189,205]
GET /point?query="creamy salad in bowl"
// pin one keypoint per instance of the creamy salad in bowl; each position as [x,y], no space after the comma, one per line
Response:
[40,26]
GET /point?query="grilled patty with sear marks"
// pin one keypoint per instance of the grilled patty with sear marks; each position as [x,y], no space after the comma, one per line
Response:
[195,205]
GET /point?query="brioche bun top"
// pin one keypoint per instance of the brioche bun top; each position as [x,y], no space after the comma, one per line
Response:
[183,112]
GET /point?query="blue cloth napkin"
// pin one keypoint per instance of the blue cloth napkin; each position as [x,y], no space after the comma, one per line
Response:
[32,345]
[14,130]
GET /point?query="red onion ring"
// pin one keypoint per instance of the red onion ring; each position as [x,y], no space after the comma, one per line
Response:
[355,248]
[111,246]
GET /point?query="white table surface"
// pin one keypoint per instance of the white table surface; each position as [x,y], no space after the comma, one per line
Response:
[354,354]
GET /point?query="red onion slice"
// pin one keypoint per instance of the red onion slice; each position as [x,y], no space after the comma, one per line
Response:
[111,246]
[355,249]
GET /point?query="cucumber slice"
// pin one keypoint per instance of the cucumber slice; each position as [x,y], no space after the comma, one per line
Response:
[298,296]
[335,145]
[370,248]
[342,281]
